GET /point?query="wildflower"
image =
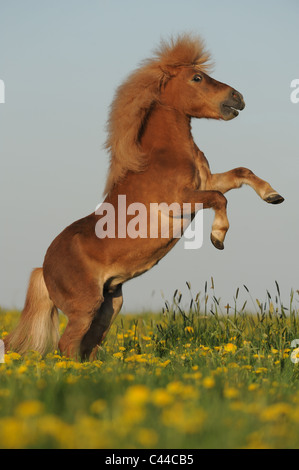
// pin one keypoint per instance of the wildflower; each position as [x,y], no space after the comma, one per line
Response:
[230,392]
[208,382]
[165,363]
[276,412]
[14,433]
[253,386]
[230,347]
[233,365]
[147,437]
[189,329]
[118,355]
[29,408]
[137,394]
[161,397]
[183,419]
[22,369]
[260,370]
[98,406]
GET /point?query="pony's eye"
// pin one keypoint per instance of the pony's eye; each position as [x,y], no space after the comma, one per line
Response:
[197,78]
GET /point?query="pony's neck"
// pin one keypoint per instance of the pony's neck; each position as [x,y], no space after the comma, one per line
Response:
[167,129]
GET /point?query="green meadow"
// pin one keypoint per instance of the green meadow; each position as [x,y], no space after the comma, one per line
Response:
[196,375]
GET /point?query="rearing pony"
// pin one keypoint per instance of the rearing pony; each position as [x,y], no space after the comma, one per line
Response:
[153,158]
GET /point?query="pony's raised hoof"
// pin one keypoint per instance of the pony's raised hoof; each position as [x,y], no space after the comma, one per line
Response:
[217,243]
[274,198]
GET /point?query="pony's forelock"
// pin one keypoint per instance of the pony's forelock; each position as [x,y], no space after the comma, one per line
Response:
[136,96]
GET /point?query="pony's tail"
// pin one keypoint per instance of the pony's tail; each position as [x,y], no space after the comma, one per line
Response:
[38,327]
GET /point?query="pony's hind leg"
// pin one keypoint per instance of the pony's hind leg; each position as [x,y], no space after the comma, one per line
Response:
[79,321]
[101,323]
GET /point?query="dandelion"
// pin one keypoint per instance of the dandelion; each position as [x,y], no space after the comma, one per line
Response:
[118,355]
[230,392]
[29,408]
[161,397]
[253,386]
[208,382]
[165,363]
[98,406]
[276,412]
[137,394]
[189,329]
[230,347]
[22,369]
[14,433]
[147,437]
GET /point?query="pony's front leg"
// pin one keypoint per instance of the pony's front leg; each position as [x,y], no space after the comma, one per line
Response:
[233,179]
[214,200]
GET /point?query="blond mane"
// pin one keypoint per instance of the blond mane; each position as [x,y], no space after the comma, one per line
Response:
[136,96]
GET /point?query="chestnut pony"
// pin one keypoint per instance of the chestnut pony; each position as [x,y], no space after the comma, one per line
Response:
[153,158]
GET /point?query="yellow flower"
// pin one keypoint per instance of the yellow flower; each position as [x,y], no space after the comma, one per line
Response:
[129,377]
[230,392]
[21,369]
[184,420]
[136,358]
[50,425]
[160,397]
[29,408]
[98,406]
[137,394]
[276,412]
[233,365]
[118,355]
[208,382]
[260,370]
[147,437]
[253,386]
[165,363]
[230,347]
[72,379]
[175,387]
[189,329]
[14,433]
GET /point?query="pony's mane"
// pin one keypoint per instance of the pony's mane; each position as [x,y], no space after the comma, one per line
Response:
[136,96]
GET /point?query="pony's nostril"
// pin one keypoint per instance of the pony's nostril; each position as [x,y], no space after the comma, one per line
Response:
[235,94]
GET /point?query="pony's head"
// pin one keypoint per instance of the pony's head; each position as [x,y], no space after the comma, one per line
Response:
[175,76]
[198,95]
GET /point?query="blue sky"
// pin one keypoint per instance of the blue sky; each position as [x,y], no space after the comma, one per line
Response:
[61,62]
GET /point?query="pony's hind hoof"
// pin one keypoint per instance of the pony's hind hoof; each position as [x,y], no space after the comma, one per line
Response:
[274,198]
[217,243]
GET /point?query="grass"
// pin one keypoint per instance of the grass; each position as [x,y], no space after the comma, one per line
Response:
[201,376]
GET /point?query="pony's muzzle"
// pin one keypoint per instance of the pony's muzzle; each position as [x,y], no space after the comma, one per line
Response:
[230,107]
